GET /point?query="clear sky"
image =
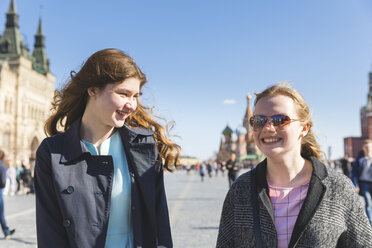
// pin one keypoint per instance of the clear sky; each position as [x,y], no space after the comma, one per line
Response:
[197,54]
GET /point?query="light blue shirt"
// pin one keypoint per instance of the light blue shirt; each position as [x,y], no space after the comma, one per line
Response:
[120,231]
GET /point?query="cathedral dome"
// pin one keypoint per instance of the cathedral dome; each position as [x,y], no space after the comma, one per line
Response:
[241,131]
[227,131]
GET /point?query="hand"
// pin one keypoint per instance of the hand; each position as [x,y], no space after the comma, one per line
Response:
[357,189]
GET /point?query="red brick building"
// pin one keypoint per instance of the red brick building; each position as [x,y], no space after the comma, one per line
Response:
[352,145]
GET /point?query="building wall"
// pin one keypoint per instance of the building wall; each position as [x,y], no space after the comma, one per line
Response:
[352,146]
[25,97]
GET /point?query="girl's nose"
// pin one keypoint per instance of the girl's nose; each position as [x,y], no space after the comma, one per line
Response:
[131,104]
[268,126]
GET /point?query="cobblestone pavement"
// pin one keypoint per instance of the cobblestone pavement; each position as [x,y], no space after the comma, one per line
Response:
[20,214]
[194,209]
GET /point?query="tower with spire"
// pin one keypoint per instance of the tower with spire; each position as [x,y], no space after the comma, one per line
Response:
[11,42]
[26,89]
[41,61]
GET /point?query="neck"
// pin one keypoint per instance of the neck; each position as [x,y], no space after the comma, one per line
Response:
[288,172]
[93,131]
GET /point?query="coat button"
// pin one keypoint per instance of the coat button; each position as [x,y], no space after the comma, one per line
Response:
[70,189]
[66,223]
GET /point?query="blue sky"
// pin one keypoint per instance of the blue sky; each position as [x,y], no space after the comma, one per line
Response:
[197,54]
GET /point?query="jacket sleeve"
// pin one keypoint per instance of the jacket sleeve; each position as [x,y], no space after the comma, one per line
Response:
[359,231]
[162,215]
[50,231]
[225,237]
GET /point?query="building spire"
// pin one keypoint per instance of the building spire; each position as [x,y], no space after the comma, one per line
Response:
[248,113]
[11,42]
[11,16]
[12,8]
[41,62]
[40,28]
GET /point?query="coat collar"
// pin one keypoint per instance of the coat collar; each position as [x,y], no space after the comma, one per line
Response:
[311,203]
[73,147]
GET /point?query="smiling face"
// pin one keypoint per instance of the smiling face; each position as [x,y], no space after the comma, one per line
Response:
[110,106]
[368,149]
[279,141]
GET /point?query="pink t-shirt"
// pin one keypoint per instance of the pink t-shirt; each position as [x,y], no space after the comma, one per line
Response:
[286,203]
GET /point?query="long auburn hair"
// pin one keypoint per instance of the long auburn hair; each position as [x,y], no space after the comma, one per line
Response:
[106,67]
[309,145]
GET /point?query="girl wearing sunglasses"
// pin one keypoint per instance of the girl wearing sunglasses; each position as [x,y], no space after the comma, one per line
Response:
[99,177]
[291,199]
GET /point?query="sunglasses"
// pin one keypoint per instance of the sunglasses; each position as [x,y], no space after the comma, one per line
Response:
[259,121]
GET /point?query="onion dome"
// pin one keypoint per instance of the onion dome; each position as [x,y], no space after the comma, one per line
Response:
[241,131]
[227,131]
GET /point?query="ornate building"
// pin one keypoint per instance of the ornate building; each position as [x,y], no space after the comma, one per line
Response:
[26,89]
[241,143]
[352,145]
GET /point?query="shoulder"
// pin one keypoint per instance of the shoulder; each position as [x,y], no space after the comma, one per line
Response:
[336,179]
[138,134]
[51,144]
[242,185]
[340,188]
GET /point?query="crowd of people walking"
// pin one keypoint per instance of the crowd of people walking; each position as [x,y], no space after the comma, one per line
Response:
[19,179]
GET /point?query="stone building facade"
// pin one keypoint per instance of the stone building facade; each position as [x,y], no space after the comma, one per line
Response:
[26,90]
[352,145]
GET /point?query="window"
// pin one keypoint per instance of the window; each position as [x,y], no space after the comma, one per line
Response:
[6,140]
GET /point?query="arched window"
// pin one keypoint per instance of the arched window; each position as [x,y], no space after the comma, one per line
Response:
[34,146]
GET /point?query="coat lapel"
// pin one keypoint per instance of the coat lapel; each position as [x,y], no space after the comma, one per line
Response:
[72,147]
[141,161]
[262,188]
[312,201]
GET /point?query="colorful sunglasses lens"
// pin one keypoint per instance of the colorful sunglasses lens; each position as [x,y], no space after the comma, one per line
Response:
[259,121]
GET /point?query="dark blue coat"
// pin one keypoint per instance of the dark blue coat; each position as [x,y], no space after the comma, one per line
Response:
[356,170]
[73,191]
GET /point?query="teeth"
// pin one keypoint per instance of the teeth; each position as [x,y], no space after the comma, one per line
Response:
[121,112]
[270,140]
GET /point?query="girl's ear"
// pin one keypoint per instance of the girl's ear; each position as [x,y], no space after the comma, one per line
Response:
[305,130]
[92,91]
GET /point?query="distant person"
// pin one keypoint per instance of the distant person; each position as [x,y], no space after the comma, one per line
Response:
[19,169]
[291,199]
[223,168]
[209,169]
[202,171]
[11,182]
[215,166]
[362,176]
[232,169]
[7,232]
[345,166]
[99,178]
[27,180]
[188,168]
[356,169]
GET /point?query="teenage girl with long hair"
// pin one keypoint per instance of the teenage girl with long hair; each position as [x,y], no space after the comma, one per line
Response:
[99,176]
[291,199]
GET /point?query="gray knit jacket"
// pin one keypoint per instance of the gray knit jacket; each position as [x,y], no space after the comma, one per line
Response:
[332,215]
